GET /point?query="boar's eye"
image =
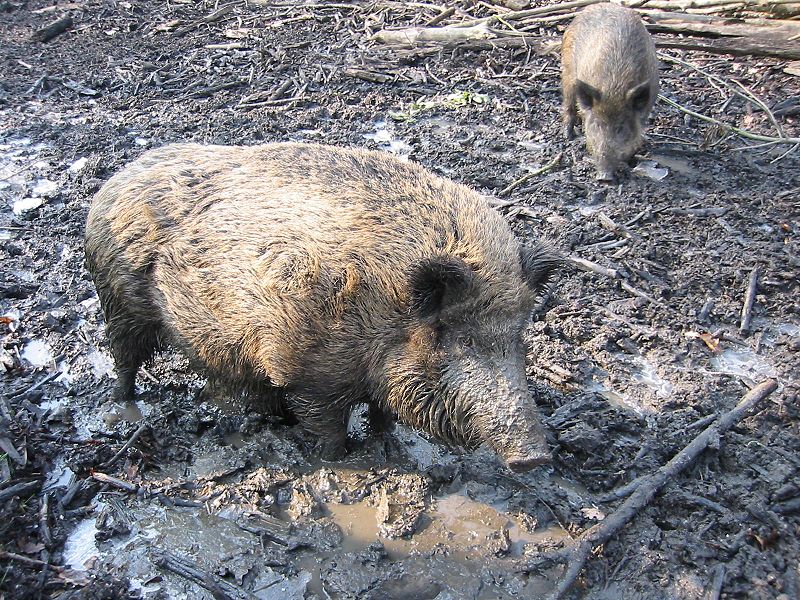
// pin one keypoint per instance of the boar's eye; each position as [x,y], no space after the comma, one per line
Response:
[539,264]
[466,341]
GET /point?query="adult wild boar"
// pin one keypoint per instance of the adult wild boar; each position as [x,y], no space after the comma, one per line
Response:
[331,276]
[609,76]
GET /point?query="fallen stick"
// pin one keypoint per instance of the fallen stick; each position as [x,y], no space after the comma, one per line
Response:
[587,265]
[448,12]
[528,176]
[639,293]
[749,300]
[31,562]
[411,36]
[219,588]
[719,579]
[740,132]
[117,483]
[651,484]
[19,489]
[48,32]
[733,85]
[127,445]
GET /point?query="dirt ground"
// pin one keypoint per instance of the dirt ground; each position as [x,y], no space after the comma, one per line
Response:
[219,501]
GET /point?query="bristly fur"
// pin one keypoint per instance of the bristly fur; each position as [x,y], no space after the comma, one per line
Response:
[322,277]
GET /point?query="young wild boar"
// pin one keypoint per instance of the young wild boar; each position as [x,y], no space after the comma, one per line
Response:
[609,75]
[328,277]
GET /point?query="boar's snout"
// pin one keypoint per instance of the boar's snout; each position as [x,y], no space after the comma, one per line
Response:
[512,425]
[527,449]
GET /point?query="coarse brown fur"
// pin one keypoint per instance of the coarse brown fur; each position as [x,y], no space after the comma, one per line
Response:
[609,77]
[338,276]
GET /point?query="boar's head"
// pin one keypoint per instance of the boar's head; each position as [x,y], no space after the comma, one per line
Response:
[459,371]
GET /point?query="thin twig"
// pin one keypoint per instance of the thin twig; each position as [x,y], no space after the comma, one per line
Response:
[219,588]
[719,579]
[18,489]
[36,385]
[749,300]
[740,132]
[44,521]
[528,176]
[732,85]
[127,445]
[117,483]
[587,265]
[651,484]
[448,12]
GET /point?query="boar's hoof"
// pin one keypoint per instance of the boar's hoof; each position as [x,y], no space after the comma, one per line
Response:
[518,464]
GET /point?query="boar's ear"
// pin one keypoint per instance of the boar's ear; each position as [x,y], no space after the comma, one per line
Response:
[588,95]
[639,96]
[437,281]
[539,264]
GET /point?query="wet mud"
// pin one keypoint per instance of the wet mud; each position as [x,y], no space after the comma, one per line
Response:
[214,499]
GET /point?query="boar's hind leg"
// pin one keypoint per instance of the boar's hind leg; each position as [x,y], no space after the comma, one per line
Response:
[132,344]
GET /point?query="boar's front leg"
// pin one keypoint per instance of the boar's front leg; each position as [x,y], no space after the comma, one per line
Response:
[380,420]
[326,417]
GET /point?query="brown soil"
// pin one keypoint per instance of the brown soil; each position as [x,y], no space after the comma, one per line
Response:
[223,502]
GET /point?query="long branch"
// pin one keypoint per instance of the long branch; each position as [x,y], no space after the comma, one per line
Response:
[650,485]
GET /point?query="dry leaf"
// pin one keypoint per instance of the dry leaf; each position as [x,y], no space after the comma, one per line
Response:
[709,340]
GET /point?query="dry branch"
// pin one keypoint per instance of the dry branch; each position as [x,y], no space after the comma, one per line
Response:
[48,32]
[730,128]
[127,445]
[757,37]
[651,484]
[749,300]
[219,588]
[19,489]
[413,36]
[528,176]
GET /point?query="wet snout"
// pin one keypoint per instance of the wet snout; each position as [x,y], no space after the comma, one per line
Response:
[515,430]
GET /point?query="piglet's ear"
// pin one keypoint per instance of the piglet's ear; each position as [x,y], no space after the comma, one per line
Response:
[436,282]
[540,263]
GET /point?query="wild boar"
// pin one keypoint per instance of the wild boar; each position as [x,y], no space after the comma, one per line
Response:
[609,76]
[332,277]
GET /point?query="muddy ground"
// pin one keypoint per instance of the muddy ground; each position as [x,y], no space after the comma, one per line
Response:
[219,501]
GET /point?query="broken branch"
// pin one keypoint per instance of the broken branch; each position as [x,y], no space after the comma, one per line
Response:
[48,32]
[127,445]
[730,128]
[219,588]
[749,300]
[651,484]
